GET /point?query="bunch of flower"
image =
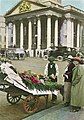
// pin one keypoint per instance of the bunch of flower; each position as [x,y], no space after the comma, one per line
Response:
[33,80]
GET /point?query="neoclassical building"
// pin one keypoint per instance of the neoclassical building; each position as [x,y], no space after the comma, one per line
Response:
[37,25]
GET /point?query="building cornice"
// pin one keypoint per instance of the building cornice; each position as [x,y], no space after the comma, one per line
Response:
[44,11]
[74,10]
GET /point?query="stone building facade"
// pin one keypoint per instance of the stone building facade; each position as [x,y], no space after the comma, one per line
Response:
[39,24]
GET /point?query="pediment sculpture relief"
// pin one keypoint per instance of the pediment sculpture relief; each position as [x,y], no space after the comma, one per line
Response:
[24,7]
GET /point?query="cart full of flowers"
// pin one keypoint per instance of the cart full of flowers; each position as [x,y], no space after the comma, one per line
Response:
[26,84]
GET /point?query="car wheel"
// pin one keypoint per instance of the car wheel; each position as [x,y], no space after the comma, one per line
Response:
[59,58]
[45,57]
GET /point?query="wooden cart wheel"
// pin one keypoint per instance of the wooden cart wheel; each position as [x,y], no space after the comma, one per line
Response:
[30,104]
[13,99]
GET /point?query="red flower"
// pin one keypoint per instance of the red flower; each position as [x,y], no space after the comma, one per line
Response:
[35,80]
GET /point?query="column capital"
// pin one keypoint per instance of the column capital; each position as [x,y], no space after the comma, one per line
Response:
[78,21]
[49,15]
[7,23]
[29,19]
[14,22]
[21,20]
[70,18]
[39,17]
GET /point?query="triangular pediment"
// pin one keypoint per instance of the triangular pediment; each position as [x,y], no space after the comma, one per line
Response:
[25,6]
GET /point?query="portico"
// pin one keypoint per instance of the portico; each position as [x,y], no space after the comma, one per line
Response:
[42,26]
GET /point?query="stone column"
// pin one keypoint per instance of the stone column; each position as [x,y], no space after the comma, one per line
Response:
[38,33]
[72,38]
[21,35]
[78,34]
[48,31]
[6,35]
[70,33]
[30,35]
[56,33]
[81,34]
[14,34]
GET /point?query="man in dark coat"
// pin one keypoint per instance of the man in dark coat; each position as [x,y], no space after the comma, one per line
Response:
[67,81]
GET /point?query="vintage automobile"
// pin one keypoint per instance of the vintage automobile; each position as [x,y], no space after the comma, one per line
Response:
[61,53]
[15,53]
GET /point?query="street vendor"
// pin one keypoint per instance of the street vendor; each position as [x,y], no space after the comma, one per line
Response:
[51,71]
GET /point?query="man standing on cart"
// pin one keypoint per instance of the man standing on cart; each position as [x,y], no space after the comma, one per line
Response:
[51,71]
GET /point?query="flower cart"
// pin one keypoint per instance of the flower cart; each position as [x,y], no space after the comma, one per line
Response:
[25,84]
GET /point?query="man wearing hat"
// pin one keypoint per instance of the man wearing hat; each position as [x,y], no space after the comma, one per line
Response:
[67,80]
[51,71]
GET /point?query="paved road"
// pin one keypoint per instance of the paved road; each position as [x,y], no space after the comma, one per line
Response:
[16,112]
[57,112]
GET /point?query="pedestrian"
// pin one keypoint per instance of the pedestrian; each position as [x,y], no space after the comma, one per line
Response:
[67,80]
[51,71]
[77,89]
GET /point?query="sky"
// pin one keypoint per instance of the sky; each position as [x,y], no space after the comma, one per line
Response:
[6,5]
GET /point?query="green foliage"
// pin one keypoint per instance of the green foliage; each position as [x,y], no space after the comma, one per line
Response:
[48,85]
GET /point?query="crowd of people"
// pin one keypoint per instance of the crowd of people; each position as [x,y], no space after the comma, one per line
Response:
[73,81]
